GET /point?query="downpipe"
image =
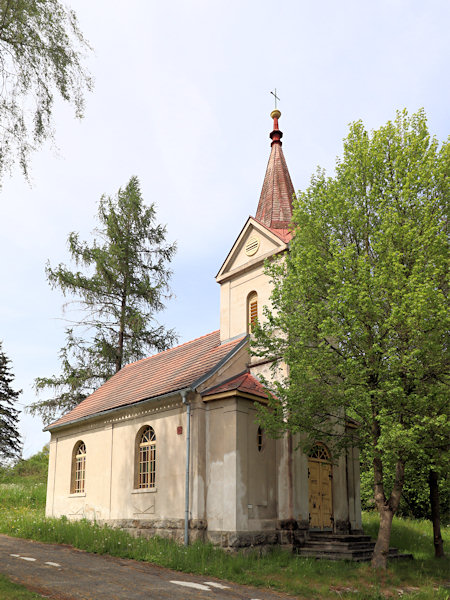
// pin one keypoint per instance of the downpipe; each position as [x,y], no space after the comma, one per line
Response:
[188,452]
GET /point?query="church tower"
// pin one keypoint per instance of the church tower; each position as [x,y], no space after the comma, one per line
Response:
[244,287]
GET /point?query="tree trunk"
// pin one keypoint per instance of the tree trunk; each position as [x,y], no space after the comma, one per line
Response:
[119,349]
[386,510]
[381,550]
[435,514]
[119,352]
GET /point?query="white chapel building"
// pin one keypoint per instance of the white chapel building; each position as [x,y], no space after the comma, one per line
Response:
[170,445]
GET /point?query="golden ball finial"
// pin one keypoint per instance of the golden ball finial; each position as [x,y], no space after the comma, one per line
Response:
[275,114]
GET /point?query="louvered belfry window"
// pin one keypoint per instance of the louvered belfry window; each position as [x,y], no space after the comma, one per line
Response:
[252,310]
[147,459]
[79,469]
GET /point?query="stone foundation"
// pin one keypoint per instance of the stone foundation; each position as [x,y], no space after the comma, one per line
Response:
[172,529]
[288,533]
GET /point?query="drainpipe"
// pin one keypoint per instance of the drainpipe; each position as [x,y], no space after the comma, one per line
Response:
[188,451]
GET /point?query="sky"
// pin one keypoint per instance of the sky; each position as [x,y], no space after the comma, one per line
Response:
[182,100]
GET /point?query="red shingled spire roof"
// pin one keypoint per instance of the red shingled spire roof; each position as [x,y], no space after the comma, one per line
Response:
[275,203]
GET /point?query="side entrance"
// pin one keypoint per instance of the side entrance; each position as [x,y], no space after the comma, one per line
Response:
[320,475]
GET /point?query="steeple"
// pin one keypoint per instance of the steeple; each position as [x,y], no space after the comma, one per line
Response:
[275,203]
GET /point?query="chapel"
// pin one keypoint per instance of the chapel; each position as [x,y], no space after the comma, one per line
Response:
[171,446]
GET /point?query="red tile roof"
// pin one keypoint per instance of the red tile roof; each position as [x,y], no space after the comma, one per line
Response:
[160,374]
[275,203]
[243,383]
[284,234]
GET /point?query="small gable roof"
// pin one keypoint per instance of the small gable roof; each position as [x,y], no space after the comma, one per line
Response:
[279,237]
[244,382]
[175,369]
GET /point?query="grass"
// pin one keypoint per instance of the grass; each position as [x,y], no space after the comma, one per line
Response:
[22,500]
[13,591]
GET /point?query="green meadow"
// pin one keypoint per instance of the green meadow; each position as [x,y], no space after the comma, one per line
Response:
[22,502]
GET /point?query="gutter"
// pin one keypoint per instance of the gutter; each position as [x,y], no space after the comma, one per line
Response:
[115,409]
[188,456]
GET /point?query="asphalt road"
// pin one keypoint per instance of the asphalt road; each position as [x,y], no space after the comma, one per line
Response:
[64,573]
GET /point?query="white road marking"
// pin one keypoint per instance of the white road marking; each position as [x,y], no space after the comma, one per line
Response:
[190,584]
[217,585]
[29,558]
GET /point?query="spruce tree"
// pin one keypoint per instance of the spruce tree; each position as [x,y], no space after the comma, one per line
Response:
[122,283]
[10,445]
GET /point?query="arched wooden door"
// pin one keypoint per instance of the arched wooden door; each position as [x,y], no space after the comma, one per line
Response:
[320,478]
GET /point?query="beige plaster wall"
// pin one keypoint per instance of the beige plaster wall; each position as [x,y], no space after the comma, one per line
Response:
[340,491]
[241,275]
[301,492]
[110,466]
[197,487]
[233,300]
[240,482]
[261,476]
[234,488]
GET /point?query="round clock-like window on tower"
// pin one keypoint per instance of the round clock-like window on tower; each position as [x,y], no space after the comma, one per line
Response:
[251,247]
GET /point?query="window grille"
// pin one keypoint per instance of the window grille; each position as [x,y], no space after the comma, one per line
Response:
[252,310]
[320,452]
[147,459]
[79,469]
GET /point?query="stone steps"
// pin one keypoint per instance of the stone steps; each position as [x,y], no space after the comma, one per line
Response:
[329,546]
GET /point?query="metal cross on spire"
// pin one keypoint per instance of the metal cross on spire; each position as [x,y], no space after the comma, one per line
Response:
[274,93]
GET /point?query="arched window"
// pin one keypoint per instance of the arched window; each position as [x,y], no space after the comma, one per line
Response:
[252,310]
[320,452]
[146,458]
[78,478]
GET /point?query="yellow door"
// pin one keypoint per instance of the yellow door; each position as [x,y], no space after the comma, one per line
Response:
[326,494]
[314,494]
[320,488]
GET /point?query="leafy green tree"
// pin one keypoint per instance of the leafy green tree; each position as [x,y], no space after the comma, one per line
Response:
[360,312]
[41,52]
[124,283]
[10,445]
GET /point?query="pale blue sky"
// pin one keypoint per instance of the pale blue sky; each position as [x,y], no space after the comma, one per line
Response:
[182,101]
